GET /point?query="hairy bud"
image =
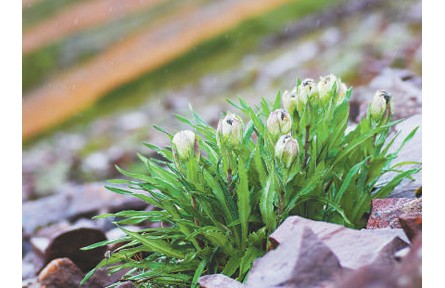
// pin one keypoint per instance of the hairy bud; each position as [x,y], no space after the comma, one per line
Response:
[286,150]
[326,84]
[307,89]
[279,123]
[382,105]
[290,100]
[230,130]
[185,145]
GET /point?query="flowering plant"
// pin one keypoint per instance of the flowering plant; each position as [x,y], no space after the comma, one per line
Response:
[221,192]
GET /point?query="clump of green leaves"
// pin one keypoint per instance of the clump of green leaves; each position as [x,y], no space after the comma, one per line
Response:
[221,192]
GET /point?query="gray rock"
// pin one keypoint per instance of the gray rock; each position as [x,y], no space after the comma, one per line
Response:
[354,248]
[302,260]
[73,201]
[218,281]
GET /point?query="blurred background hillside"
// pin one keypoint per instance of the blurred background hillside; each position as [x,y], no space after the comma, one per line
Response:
[97,74]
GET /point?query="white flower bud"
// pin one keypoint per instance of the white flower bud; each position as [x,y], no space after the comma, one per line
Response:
[185,145]
[290,101]
[382,104]
[325,86]
[308,88]
[286,150]
[279,123]
[230,130]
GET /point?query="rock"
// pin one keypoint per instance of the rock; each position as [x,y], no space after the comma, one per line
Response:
[94,197]
[72,202]
[411,224]
[302,260]
[385,212]
[354,248]
[62,272]
[68,244]
[44,211]
[409,272]
[126,284]
[406,274]
[218,281]
[370,276]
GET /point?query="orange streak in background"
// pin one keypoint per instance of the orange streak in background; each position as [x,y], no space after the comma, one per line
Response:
[78,17]
[80,87]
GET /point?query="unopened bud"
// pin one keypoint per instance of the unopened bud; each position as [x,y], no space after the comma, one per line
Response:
[306,90]
[382,105]
[185,145]
[279,123]
[286,150]
[290,101]
[230,130]
[327,83]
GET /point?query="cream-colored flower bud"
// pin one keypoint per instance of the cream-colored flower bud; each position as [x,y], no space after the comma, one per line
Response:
[185,145]
[326,84]
[306,90]
[382,105]
[290,101]
[230,130]
[286,150]
[279,123]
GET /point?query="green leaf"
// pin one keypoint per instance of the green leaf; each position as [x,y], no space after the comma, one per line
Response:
[243,194]
[155,245]
[266,202]
[198,273]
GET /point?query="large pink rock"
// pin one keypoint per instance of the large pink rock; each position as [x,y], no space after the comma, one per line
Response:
[354,248]
[302,260]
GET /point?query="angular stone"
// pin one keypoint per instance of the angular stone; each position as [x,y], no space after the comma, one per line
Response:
[218,281]
[385,212]
[370,276]
[302,260]
[354,248]
[411,224]
[68,244]
[406,274]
